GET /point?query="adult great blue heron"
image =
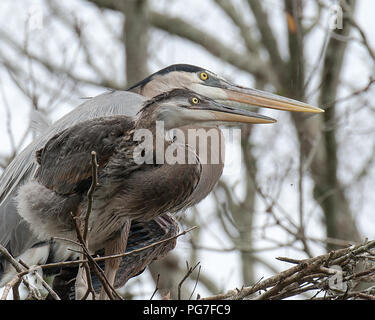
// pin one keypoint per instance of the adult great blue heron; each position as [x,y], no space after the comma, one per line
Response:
[133,185]
[15,233]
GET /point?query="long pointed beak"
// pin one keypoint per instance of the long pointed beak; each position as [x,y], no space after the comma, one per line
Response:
[224,113]
[259,98]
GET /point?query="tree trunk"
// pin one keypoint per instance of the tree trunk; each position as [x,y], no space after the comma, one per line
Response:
[328,191]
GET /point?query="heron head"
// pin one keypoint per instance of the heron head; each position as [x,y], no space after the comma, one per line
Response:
[208,84]
[181,107]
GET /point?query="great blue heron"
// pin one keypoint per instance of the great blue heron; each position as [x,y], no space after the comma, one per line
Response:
[15,233]
[133,185]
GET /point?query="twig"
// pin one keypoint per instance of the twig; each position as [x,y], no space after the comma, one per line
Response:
[156,286]
[97,270]
[353,94]
[188,273]
[45,284]
[196,282]
[10,259]
[289,260]
[14,283]
[34,270]
[120,255]
[315,270]
[94,184]
[90,288]
[23,270]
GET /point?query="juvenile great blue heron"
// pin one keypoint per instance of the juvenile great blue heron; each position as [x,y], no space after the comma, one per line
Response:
[129,189]
[15,233]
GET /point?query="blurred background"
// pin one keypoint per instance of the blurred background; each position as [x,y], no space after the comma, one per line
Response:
[302,186]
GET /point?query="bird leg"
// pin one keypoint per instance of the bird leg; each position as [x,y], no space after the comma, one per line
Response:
[114,246]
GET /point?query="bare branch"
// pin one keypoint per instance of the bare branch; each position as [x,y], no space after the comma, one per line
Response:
[268,39]
[94,184]
[238,20]
[22,270]
[249,62]
[189,271]
[293,280]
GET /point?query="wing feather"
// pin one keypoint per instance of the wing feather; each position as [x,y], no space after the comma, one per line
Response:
[65,161]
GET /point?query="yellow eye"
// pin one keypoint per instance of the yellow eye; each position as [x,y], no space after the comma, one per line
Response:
[204,76]
[195,100]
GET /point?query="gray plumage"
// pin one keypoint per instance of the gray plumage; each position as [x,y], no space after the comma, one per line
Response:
[127,190]
[14,232]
